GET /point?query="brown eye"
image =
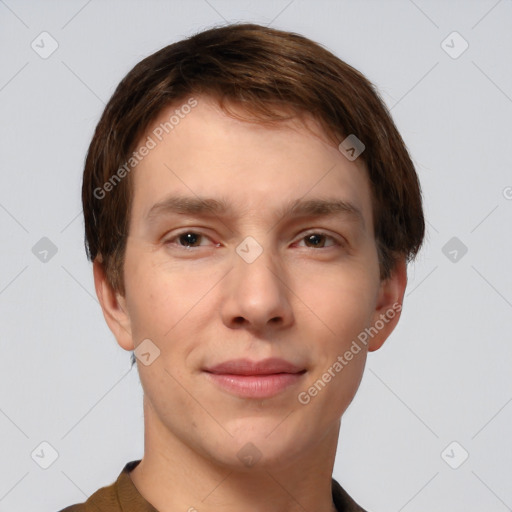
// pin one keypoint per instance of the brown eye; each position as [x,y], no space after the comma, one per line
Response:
[189,239]
[315,240]
[318,240]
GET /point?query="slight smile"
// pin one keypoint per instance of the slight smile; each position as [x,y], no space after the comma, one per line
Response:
[255,379]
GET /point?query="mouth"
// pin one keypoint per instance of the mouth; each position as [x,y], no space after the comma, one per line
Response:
[255,379]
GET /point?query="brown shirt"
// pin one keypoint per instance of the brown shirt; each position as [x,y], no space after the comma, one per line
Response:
[123,496]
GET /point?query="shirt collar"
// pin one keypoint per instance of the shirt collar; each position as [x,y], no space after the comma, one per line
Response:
[131,500]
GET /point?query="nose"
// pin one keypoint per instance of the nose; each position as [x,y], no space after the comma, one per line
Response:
[257,295]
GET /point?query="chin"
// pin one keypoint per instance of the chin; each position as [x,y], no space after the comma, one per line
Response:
[253,457]
[265,443]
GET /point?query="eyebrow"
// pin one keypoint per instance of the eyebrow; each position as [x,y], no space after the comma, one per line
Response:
[206,206]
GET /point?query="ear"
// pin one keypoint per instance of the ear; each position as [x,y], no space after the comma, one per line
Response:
[113,305]
[388,306]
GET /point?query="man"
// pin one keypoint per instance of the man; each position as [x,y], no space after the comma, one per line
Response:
[250,209]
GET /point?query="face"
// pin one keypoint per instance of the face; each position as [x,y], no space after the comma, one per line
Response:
[252,267]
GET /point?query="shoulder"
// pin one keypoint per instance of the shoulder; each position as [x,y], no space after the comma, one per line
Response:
[107,498]
[104,499]
[342,500]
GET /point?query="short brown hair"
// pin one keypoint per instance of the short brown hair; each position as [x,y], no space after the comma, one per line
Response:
[263,70]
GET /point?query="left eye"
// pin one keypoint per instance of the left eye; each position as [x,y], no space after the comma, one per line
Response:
[317,240]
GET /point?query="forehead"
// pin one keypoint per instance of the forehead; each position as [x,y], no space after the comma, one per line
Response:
[202,151]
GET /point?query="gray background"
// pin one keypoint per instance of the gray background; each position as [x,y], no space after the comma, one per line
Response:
[443,376]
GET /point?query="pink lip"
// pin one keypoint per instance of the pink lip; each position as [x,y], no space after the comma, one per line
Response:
[255,379]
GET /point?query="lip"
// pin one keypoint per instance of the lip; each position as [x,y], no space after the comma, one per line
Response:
[255,379]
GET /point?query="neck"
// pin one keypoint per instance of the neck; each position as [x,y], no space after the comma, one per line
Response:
[172,476]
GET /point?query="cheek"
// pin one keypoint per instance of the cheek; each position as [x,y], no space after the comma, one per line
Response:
[341,303]
[160,295]
[171,309]
[341,307]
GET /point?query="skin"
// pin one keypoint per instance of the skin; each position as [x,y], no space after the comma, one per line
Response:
[203,305]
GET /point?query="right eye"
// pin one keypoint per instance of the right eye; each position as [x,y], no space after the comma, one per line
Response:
[186,239]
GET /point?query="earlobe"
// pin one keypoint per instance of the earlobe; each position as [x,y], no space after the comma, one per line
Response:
[113,306]
[389,305]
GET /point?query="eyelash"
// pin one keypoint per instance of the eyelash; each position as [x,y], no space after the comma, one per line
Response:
[337,242]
